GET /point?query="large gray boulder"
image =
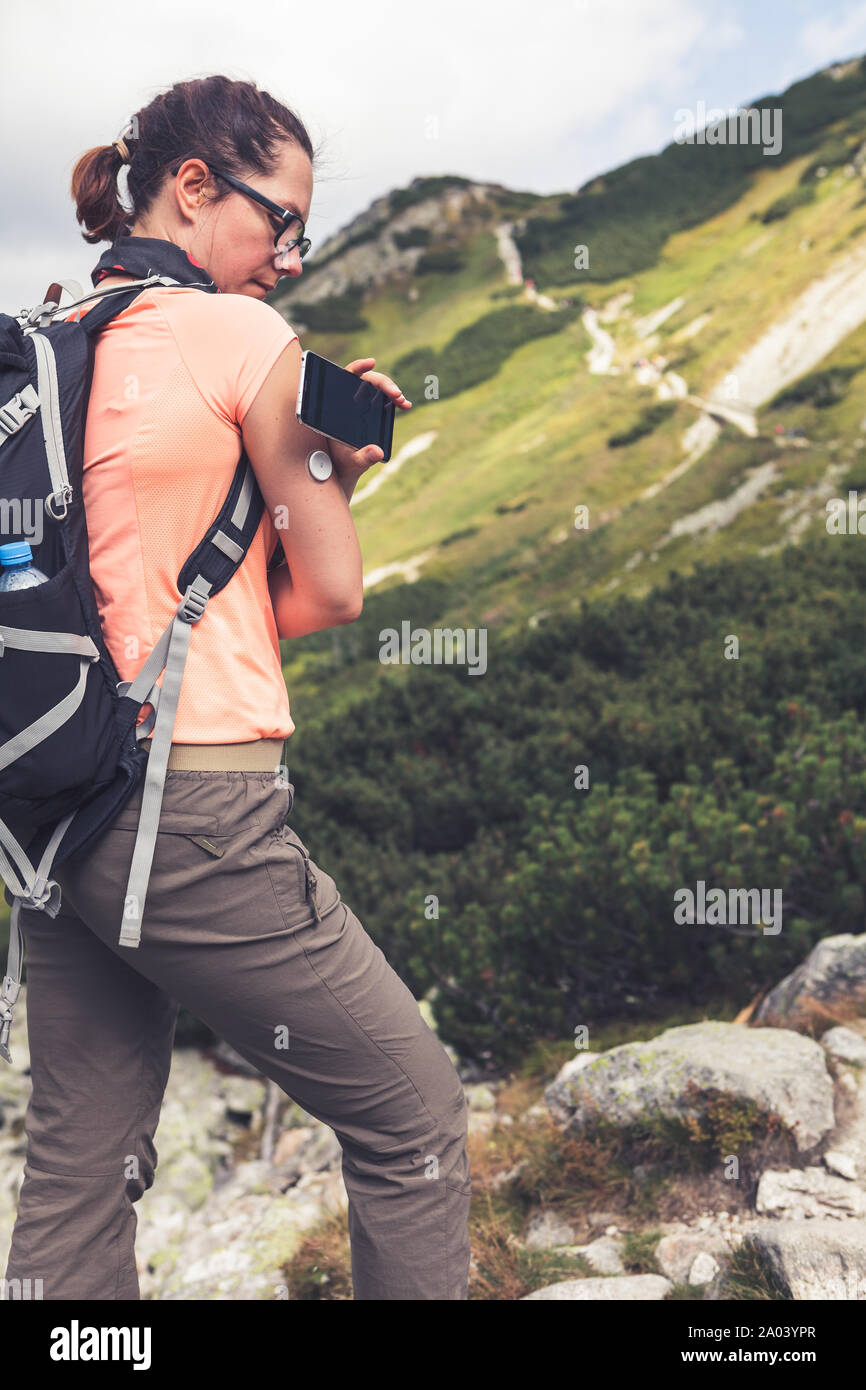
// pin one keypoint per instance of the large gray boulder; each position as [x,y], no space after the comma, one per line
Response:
[819,1259]
[808,1193]
[781,1071]
[617,1288]
[829,987]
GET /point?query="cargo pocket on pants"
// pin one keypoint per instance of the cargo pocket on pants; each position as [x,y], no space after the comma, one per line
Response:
[304,892]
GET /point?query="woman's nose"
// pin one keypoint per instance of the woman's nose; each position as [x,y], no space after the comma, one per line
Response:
[288,262]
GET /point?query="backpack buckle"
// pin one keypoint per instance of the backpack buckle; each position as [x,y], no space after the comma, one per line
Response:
[18,411]
[192,605]
[65,495]
[40,317]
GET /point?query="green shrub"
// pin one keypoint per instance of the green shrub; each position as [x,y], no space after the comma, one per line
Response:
[413,236]
[446,783]
[820,389]
[446,258]
[803,193]
[339,313]
[649,420]
[459,535]
[556,904]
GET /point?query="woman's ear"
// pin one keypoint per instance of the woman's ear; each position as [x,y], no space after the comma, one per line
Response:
[189,184]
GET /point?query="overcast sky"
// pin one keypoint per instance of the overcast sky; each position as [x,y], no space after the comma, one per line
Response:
[536,96]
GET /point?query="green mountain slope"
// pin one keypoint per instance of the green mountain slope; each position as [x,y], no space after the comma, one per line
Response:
[719,244]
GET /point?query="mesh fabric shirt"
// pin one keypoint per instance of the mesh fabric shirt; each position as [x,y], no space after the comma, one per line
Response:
[174,376]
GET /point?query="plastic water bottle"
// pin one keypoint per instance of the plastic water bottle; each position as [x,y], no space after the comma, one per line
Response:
[17,572]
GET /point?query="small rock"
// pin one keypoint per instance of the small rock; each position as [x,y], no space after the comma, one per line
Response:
[242,1095]
[480,1122]
[704,1269]
[546,1230]
[841,1163]
[622,1287]
[187,1178]
[502,1179]
[604,1254]
[845,1045]
[289,1141]
[600,1218]
[676,1254]
[318,1149]
[480,1097]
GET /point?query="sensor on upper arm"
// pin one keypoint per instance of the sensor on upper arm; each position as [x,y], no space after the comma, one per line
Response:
[320,465]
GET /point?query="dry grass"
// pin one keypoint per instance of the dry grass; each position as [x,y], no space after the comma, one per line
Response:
[322,1268]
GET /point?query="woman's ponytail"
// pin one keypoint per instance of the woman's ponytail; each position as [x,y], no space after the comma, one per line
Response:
[94,192]
[230,124]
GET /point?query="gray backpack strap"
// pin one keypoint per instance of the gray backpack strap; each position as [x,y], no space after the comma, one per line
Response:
[42,314]
[40,892]
[176,639]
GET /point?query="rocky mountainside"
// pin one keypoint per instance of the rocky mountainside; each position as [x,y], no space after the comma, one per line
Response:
[774,1101]
[367,252]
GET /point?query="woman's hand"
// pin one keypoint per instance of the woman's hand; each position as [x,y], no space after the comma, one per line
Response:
[353,462]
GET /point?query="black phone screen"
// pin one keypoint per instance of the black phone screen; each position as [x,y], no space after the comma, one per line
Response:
[344,406]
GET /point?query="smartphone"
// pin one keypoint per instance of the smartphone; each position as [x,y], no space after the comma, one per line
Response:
[343,406]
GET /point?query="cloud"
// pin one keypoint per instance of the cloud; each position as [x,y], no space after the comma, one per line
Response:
[830,37]
[538,97]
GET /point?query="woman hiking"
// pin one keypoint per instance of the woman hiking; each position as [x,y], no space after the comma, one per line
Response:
[241,928]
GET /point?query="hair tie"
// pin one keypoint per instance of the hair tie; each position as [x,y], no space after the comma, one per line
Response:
[130,129]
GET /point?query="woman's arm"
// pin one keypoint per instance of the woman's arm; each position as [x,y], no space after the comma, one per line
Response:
[293,616]
[322,585]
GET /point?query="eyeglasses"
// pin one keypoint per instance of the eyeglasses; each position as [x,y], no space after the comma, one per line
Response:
[282,246]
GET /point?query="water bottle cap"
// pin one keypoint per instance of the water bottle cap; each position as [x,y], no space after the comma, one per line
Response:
[16,553]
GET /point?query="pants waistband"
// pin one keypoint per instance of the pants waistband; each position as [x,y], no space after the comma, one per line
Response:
[262,755]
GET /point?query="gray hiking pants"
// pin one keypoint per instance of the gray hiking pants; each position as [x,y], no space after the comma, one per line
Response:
[228,931]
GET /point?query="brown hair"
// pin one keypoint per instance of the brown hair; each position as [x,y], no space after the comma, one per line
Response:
[232,124]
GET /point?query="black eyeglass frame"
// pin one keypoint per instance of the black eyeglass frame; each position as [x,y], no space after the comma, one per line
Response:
[284,214]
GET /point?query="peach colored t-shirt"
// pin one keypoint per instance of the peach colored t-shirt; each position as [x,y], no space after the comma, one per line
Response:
[174,375]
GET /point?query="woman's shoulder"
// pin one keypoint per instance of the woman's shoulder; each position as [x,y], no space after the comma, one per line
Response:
[237,313]
[192,302]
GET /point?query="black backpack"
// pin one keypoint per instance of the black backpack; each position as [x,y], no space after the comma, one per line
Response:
[69,745]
